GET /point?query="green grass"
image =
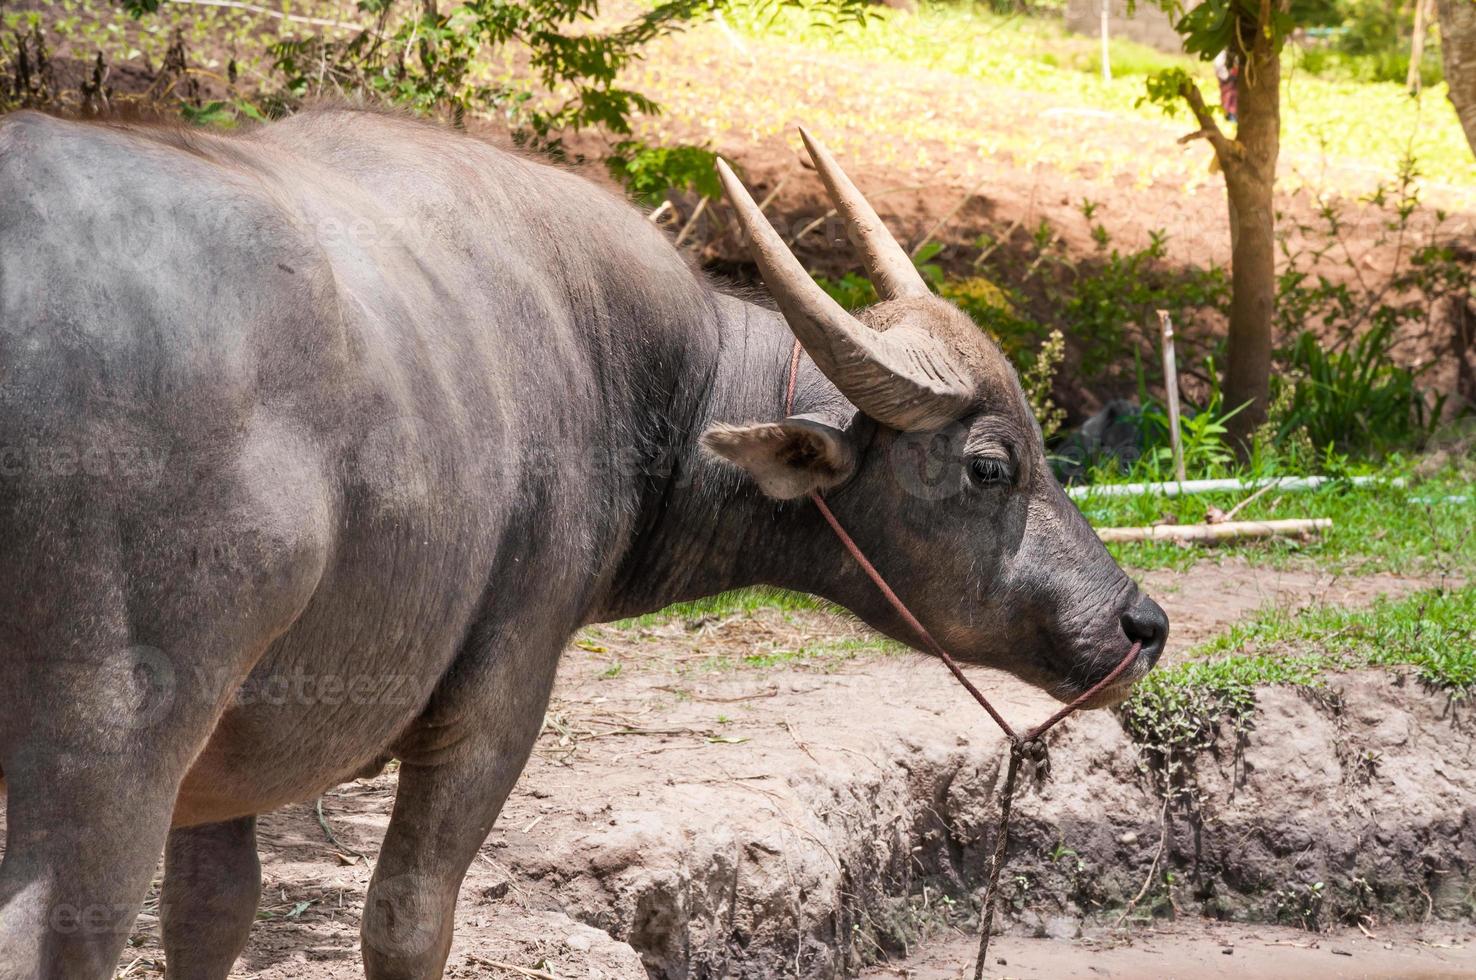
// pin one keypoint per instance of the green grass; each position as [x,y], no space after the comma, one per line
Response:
[1433,631]
[824,655]
[736,602]
[1370,125]
[1375,528]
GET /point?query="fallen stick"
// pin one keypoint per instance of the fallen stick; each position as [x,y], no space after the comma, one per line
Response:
[276,14]
[912,253]
[692,221]
[521,971]
[1229,515]
[655,216]
[1148,881]
[1232,530]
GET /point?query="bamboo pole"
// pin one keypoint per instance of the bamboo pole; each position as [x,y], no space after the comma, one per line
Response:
[1412,81]
[1106,60]
[1230,531]
[1171,387]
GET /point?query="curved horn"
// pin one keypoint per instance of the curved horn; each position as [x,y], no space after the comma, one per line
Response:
[901,378]
[890,268]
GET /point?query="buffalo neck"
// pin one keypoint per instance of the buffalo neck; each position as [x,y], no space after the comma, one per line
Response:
[703,527]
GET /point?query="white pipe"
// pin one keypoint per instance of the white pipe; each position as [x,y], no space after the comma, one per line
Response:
[1213,486]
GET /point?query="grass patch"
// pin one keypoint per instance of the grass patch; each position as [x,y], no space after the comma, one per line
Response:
[1433,631]
[823,656]
[736,602]
[1410,530]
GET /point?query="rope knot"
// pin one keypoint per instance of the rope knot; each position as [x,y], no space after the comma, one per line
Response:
[1035,755]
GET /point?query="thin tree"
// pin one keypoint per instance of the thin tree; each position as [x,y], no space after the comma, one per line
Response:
[1253,33]
[1458,50]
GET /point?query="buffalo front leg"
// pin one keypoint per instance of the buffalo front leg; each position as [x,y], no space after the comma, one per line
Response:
[212,883]
[447,801]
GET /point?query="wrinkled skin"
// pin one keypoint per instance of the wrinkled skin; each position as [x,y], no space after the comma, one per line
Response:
[318,442]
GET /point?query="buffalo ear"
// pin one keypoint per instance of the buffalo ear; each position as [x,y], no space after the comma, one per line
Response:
[786,459]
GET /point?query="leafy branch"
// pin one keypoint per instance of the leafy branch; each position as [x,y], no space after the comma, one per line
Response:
[564,74]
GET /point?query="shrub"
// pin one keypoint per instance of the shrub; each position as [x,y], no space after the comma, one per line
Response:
[1039,378]
[852,290]
[1203,434]
[1353,397]
[1105,305]
[1341,387]
[649,173]
[1367,41]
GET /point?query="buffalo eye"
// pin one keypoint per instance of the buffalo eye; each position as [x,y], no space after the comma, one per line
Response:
[989,471]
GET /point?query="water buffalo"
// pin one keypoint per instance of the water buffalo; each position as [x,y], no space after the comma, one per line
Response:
[319,440]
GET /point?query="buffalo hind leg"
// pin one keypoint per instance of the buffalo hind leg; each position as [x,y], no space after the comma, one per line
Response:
[90,794]
[128,616]
[212,884]
[454,779]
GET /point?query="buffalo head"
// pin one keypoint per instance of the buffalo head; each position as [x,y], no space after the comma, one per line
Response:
[929,445]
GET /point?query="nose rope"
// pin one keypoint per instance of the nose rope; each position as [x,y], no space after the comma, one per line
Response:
[1019,746]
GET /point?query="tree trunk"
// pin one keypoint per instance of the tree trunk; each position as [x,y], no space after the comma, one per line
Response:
[1417,44]
[1458,49]
[1250,179]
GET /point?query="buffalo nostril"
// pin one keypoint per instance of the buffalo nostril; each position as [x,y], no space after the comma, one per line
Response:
[1146,623]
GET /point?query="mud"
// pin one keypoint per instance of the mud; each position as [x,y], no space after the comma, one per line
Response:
[1204,951]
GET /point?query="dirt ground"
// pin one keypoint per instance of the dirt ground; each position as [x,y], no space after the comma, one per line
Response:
[780,794]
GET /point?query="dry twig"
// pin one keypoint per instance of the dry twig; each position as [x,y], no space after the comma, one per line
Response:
[1152,868]
[328,833]
[521,971]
